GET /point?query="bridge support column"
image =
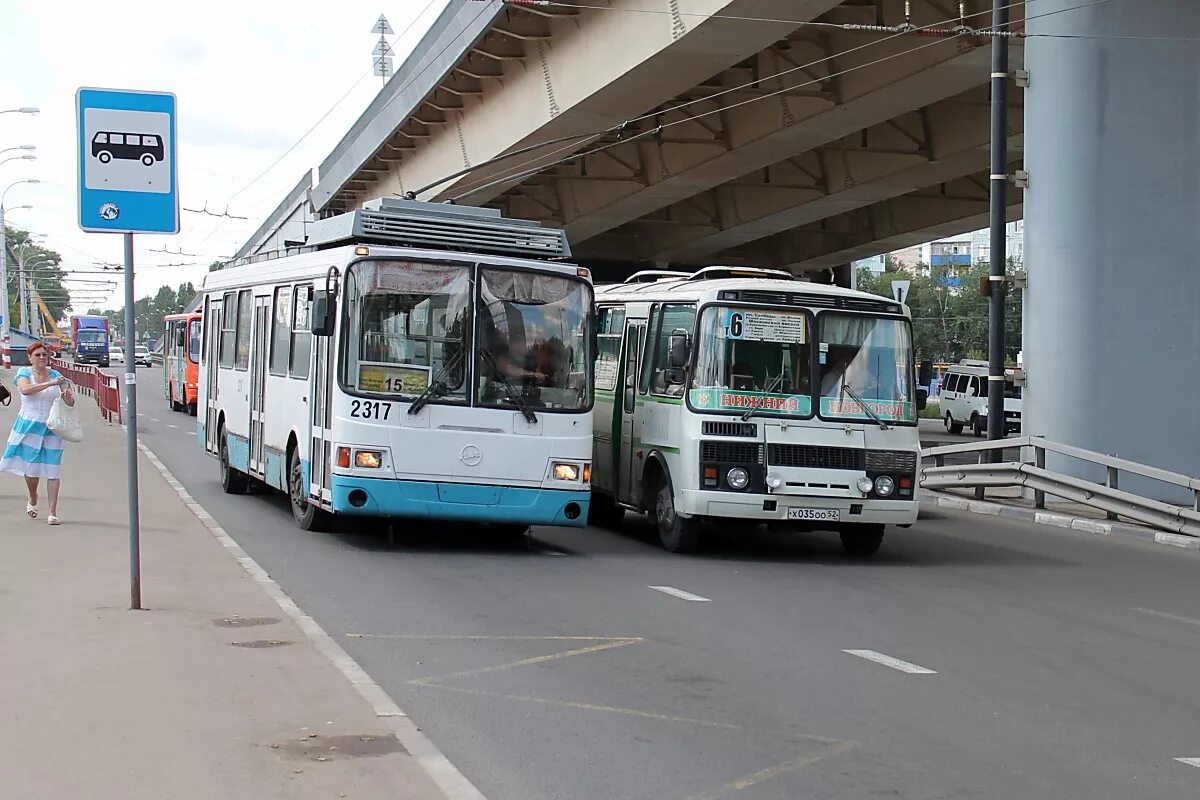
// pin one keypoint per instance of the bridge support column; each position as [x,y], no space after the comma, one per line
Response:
[1112,310]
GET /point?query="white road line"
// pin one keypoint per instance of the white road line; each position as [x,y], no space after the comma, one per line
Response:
[172,426]
[191,433]
[1165,615]
[888,661]
[544,552]
[153,419]
[680,593]
[1191,762]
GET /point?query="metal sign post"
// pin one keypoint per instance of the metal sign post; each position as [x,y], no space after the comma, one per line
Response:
[128,183]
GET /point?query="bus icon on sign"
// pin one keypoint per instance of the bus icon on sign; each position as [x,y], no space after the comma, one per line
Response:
[144,147]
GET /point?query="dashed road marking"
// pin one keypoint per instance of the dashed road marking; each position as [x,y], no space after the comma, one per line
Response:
[680,593]
[1191,762]
[153,419]
[172,426]
[1165,615]
[894,663]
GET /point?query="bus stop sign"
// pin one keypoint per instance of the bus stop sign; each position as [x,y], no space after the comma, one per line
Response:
[128,176]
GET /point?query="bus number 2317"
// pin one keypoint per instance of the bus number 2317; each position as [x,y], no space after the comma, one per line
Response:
[370,409]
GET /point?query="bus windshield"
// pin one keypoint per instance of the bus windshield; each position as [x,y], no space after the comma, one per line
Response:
[753,360]
[406,329]
[865,360]
[534,348]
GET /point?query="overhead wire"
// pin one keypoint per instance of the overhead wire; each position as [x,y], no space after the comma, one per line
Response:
[518,174]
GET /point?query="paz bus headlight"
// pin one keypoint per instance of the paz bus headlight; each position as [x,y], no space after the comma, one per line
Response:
[737,478]
[884,486]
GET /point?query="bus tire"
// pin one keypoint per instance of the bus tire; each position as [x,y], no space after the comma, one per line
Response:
[191,409]
[604,512]
[677,534]
[861,541]
[232,481]
[307,516]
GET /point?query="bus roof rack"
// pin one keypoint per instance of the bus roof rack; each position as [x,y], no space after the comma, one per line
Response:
[652,275]
[714,273]
[438,226]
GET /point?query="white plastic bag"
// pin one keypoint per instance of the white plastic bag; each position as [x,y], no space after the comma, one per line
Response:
[64,421]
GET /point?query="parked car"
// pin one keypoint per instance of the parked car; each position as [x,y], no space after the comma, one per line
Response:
[964,398]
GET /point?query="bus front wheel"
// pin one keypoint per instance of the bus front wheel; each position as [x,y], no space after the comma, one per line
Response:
[677,534]
[307,516]
[862,541]
[232,481]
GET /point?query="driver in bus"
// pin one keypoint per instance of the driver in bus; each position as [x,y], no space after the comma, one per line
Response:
[502,333]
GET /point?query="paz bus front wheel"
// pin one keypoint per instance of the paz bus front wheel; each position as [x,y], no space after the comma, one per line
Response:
[861,541]
[677,534]
[307,516]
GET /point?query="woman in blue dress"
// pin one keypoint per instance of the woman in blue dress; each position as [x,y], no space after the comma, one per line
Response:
[34,451]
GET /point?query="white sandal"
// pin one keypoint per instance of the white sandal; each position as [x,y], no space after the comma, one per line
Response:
[31,511]
[53,520]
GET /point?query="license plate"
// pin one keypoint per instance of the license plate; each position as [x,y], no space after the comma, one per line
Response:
[815,514]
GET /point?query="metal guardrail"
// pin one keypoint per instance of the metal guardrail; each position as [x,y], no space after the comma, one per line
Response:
[105,389]
[1107,497]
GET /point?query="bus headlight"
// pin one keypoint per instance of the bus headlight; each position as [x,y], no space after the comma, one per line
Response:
[368,459]
[565,472]
[865,485]
[884,486]
[737,478]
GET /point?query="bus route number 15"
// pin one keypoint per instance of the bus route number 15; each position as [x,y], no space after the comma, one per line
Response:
[370,409]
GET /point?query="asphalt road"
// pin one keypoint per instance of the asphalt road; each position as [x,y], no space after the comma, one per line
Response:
[1033,663]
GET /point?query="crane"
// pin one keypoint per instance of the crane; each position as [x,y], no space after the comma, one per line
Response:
[61,339]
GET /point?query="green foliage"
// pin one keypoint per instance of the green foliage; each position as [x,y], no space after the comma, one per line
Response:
[931,411]
[43,265]
[950,317]
[148,312]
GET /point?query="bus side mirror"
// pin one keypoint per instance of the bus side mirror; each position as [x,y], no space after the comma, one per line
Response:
[324,313]
[180,339]
[922,399]
[678,350]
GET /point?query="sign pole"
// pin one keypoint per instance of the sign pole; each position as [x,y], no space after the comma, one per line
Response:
[131,450]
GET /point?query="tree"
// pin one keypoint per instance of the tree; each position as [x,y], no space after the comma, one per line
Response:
[950,317]
[43,265]
[148,312]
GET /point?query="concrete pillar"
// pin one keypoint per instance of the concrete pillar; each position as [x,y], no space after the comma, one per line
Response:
[1112,311]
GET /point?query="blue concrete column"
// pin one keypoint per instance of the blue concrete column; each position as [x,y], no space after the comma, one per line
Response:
[1112,311]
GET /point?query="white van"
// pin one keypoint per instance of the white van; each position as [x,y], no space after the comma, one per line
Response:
[964,398]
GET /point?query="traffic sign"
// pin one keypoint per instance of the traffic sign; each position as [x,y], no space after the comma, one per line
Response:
[128,174]
[900,291]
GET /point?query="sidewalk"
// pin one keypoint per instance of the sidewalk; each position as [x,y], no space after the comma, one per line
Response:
[177,701]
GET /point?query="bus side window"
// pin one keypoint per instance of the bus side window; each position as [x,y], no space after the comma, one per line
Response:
[611,326]
[671,319]
[245,307]
[228,316]
[301,336]
[281,331]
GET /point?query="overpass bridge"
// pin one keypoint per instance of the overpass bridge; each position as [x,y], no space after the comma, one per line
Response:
[805,134]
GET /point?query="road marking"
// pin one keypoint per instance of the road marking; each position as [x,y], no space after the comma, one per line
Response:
[191,433]
[1191,762]
[172,426]
[888,661]
[153,419]
[448,778]
[544,552]
[680,593]
[1165,615]
[525,662]
[773,772]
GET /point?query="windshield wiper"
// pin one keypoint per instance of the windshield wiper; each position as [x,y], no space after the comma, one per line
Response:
[513,394]
[778,379]
[848,389]
[437,387]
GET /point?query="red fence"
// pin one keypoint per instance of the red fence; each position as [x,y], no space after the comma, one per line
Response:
[105,389]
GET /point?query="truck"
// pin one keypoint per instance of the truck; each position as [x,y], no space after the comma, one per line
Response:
[89,339]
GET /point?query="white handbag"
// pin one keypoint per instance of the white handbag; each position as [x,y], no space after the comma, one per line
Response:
[64,421]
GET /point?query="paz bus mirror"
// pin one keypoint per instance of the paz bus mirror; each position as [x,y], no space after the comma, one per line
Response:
[324,312]
[678,350]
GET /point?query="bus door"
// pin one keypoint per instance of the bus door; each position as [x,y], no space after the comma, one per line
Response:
[626,463]
[212,319]
[321,456]
[259,355]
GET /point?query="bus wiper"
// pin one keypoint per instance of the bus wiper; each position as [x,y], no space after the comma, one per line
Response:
[437,387]
[513,394]
[848,389]
[778,379]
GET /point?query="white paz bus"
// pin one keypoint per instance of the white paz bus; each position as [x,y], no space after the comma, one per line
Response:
[414,361]
[740,394]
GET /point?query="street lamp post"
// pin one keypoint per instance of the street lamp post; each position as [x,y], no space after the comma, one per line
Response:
[18,158]
[5,322]
[19,147]
[21,110]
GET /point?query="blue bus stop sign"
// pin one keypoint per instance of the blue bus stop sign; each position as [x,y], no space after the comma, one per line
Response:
[128,175]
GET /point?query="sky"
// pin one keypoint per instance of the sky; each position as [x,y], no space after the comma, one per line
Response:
[251,78]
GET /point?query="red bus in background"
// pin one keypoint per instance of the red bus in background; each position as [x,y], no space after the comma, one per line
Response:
[181,360]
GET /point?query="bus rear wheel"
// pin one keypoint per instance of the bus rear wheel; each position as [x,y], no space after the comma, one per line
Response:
[677,534]
[308,517]
[861,541]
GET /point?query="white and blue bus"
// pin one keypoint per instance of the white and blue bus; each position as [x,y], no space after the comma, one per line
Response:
[740,395]
[413,361]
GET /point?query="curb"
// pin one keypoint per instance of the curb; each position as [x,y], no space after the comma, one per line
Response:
[1064,521]
[443,773]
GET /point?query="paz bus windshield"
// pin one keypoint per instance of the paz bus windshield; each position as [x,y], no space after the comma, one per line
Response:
[867,361]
